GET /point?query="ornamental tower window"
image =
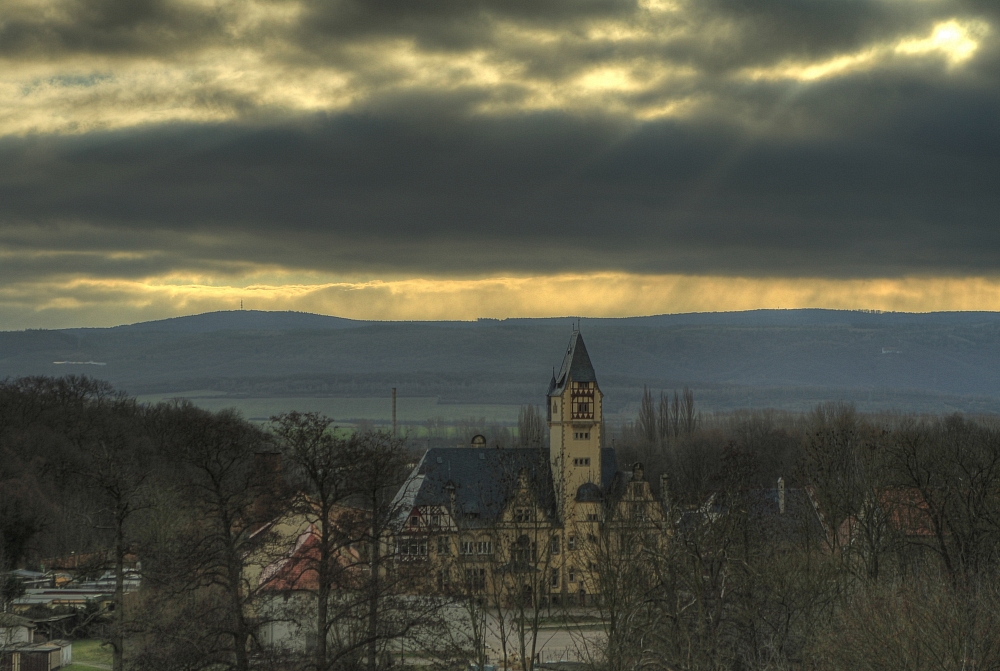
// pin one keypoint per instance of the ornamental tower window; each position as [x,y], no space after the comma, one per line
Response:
[582,400]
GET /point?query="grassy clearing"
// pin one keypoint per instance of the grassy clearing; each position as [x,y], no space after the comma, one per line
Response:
[90,651]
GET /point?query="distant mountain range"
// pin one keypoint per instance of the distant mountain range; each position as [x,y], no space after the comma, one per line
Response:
[792,359]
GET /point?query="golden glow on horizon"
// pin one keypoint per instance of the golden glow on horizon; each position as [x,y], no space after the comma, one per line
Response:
[88,301]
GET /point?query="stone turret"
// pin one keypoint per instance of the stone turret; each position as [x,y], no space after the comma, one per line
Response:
[575,411]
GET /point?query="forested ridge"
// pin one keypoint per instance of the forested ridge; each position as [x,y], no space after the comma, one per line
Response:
[771,358]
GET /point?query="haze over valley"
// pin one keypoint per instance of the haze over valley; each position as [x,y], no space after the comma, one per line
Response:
[266,362]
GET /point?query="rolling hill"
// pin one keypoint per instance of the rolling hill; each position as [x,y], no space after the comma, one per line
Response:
[935,362]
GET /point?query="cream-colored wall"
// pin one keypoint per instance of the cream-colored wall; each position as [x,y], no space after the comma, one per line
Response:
[565,447]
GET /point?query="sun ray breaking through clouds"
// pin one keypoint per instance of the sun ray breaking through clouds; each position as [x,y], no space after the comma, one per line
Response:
[434,160]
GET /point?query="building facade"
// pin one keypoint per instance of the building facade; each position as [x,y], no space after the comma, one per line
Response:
[524,523]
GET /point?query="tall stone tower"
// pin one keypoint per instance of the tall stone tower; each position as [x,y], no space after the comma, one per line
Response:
[574,411]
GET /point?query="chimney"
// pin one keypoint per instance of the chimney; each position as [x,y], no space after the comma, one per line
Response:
[781,496]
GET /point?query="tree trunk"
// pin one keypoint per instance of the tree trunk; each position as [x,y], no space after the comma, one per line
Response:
[118,634]
[323,594]
[240,629]
[374,587]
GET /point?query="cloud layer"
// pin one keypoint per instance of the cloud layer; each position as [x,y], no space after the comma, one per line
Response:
[769,141]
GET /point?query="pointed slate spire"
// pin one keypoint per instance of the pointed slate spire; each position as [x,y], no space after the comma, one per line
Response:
[576,364]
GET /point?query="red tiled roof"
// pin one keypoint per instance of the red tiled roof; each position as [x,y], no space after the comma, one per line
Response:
[297,570]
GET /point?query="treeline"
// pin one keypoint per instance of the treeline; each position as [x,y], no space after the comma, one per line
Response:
[883,553]
[880,549]
[190,500]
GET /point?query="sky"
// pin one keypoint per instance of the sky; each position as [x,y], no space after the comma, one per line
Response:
[455,159]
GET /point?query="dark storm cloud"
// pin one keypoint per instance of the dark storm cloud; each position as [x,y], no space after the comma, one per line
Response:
[449,21]
[718,35]
[909,188]
[886,170]
[118,27]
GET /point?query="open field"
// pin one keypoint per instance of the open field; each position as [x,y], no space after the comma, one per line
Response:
[415,414]
[409,410]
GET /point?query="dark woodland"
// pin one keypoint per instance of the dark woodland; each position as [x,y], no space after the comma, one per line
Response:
[887,557]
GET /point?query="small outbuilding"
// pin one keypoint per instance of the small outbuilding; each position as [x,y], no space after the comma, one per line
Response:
[15,630]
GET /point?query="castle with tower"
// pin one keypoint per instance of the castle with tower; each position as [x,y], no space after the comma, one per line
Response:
[526,520]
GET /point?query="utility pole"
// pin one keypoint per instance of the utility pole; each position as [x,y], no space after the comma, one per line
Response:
[393,412]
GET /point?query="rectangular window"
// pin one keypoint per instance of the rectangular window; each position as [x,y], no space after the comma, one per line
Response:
[572,574]
[475,579]
[412,547]
[571,542]
[591,517]
[435,520]
[554,547]
[484,547]
[465,548]
[522,514]
[581,461]
[443,545]
[554,580]
[414,521]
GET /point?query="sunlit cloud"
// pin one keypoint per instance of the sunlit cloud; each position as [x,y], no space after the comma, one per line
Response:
[250,65]
[955,41]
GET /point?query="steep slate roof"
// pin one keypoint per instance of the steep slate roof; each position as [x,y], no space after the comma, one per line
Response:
[485,479]
[576,364]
